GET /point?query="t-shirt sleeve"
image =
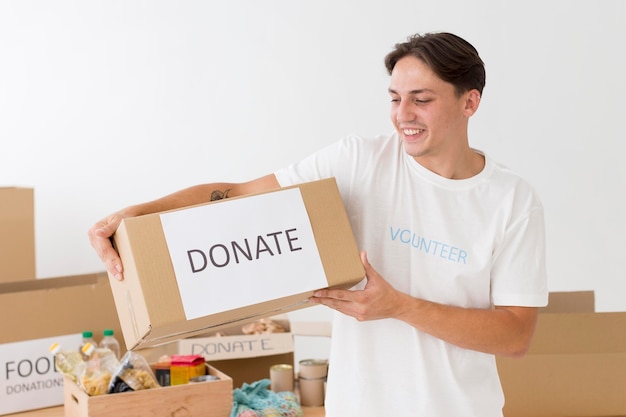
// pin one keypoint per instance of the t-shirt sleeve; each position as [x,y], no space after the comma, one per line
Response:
[336,160]
[519,266]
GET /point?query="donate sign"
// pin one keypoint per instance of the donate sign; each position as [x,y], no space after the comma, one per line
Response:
[241,252]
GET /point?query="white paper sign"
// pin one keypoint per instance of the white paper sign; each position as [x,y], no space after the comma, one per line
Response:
[29,379]
[238,346]
[242,252]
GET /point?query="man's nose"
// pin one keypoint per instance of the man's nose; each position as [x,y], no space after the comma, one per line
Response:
[404,113]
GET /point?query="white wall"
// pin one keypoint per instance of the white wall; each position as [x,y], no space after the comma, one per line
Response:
[108,103]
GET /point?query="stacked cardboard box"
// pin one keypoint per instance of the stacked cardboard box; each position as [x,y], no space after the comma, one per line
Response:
[37,313]
[576,365]
[17,234]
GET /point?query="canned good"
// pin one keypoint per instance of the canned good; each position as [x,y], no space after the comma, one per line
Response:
[313,368]
[281,377]
[203,378]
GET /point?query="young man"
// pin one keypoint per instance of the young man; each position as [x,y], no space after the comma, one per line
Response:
[455,259]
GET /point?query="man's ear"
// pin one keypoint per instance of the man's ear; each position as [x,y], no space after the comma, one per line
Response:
[472,101]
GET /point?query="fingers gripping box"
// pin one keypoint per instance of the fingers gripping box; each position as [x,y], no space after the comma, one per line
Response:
[196,270]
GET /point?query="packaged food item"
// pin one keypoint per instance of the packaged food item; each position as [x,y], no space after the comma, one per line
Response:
[94,377]
[109,341]
[66,361]
[162,370]
[183,368]
[263,326]
[133,374]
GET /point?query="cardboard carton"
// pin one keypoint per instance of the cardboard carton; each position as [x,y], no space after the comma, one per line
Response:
[17,234]
[576,365]
[200,269]
[209,399]
[246,358]
[38,313]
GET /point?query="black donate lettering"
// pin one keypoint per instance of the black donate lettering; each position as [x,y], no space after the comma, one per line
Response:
[220,255]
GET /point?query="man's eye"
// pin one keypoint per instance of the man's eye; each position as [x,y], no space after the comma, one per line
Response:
[422,101]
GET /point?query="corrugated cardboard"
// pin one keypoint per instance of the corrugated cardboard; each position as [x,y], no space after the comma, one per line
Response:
[246,358]
[570,302]
[43,309]
[148,300]
[576,365]
[207,399]
[17,232]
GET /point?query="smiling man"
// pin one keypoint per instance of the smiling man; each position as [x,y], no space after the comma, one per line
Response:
[455,262]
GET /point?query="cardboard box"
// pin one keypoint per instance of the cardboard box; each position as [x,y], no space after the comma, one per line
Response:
[38,313]
[17,229]
[207,399]
[576,365]
[200,269]
[246,358]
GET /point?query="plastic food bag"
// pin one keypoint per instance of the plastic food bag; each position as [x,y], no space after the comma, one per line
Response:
[256,400]
[133,374]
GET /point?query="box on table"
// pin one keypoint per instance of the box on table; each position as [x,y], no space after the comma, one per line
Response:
[246,358]
[17,229]
[200,269]
[576,365]
[38,313]
[207,399]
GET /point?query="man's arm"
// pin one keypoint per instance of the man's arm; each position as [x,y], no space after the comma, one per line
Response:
[503,331]
[101,232]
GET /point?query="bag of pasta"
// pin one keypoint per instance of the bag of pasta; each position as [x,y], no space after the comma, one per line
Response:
[94,375]
[133,374]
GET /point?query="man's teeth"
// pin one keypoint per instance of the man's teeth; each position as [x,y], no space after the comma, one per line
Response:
[412,131]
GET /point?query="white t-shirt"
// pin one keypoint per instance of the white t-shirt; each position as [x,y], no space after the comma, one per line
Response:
[476,242]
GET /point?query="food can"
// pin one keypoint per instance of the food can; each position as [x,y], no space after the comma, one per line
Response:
[203,378]
[313,368]
[281,377]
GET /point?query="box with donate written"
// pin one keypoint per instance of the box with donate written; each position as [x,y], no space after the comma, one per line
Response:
[245,353]
[199,269]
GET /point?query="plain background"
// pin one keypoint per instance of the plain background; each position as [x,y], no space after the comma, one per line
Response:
[108,103]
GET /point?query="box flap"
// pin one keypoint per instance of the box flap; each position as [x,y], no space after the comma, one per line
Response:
[570,302]
[50,283]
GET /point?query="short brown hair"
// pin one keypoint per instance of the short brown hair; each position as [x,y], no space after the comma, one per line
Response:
[452,58]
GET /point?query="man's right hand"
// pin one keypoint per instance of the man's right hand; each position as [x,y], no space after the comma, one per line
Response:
[100,238]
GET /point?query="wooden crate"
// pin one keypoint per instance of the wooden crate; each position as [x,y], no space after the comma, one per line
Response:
[206,399]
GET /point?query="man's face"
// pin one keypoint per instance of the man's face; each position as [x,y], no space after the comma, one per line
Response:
[431,120]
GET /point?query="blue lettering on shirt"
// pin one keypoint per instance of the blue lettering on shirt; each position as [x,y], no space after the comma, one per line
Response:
[431,247]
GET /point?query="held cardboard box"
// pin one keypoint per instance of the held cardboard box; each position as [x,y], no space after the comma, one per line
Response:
[207,399]
[246,358]
[37,313]
[17,234]
[576,365]
[200,269]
